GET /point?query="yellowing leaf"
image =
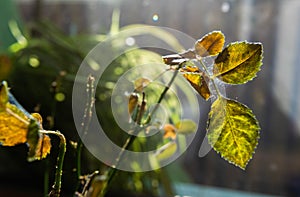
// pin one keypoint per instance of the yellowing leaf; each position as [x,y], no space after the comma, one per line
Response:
[13,127]
[132,102]
[238,62]
[196,78]
[13,122]
[186,126]
[18,127]
[38,118]
[210,44]
[233,131]
[190,68]
[43,148]
[198,83]
[41,144]
[169,131]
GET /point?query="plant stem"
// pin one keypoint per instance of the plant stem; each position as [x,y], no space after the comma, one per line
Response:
[46,177]
[85,123]
[132,137]
[129,141]
[55,192]
[47,160]
[78,162]
[211,78]
[113,170]
[162,96]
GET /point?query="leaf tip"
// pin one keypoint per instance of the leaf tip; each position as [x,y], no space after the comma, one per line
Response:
[3,94]
[233,131]
[239,62]
[210,44]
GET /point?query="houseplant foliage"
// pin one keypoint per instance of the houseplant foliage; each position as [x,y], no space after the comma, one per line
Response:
[17,126]
[54,56]
[232,128]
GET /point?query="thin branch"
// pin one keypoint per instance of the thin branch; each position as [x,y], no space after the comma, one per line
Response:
[56,188]
[132,137]
[161,96]
[85,123]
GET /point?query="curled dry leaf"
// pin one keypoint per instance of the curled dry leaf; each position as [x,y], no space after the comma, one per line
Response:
[132,102]
[197,79]
[18,127]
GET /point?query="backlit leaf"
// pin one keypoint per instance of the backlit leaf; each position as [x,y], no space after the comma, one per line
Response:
[190,68]
[189,54]
[238,62]
[13,122]
[32,139]
[43,148]
[13,126]
[210,44]
[132,102]
[186,126]
[233,131]
[43,145]
[38,118]
[18,126]
[196,78]
[198,83]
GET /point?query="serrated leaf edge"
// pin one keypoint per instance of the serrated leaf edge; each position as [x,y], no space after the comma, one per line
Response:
[255,147]
[206,35]
[260,62]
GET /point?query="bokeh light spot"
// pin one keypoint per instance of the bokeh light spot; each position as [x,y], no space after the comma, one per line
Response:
[155,17]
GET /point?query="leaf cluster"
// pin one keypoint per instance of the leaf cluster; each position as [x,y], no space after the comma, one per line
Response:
[232,128]
[18,126]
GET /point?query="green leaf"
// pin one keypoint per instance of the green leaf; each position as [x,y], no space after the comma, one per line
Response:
[238,62]
[186,126]
[233,131]
[166,151]
[210,44]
